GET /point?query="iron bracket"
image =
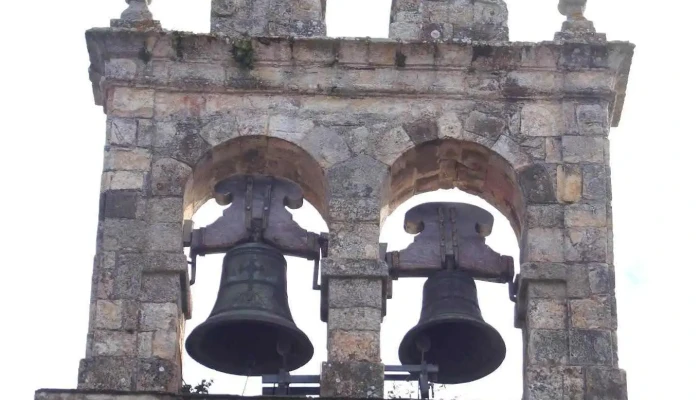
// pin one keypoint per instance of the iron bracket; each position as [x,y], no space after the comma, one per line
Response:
[257,212]
[450,235]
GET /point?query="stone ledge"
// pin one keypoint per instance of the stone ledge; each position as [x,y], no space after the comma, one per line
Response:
[380,67]
[72,394]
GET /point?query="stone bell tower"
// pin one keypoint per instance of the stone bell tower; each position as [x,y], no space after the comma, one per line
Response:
[265,111]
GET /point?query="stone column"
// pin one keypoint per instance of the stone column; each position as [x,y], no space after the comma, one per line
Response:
[449,20]
[356,279]
[240,18]
[566,298]
[140,295]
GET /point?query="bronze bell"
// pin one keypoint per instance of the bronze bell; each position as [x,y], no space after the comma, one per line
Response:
[451,332]
[250,331]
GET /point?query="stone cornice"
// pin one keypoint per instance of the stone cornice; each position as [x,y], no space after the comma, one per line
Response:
[357,67]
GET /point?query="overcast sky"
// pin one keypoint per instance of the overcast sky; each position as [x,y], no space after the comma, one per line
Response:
[51,163]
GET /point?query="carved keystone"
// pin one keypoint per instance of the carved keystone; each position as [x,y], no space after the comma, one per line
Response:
[450,233]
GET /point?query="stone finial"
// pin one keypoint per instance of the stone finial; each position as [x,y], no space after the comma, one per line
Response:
[577,28]
[137,15]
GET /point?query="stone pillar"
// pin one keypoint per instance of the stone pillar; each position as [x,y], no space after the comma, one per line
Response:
[356,279]
[298,18]
[140,295]
[566,297]
[449,20]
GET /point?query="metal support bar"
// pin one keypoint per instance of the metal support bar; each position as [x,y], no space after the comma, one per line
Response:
[282,382]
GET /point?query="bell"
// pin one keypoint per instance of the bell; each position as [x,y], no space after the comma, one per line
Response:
[451,332]
[250,331]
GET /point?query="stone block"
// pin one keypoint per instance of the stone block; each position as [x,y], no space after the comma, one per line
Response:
[123,234]
[159,375]
[359,177]
[423,130]
[153,261]
[198,75]
[586,244]
[352,379]
[354,268]
[159,317]
[484,124]
[355,319]
[164,209]
[168,177]
[590,347]
[602,278]
[121,159]
[326,146]
[164,236]
[145,344]
[107,373]
[537,184]
[130,103]
[545,244]
[166,345]
[596,178]
[178,106]
[575,276]
[540,120]
[353,293]
[122,180]
[546,289]
[121,131]
[553,152]
[511,151]
[291,128]
[354,240]
[145,133]
[161,288]
[109,314]
[569,183]
[449,126]
[586,215]
[357,346]
[545,216]
[120,204]
[353,209]
[583,149]
[592,119]
[554,383]
[389,143]
[547,347]
[114,343]
[605,384]
[546,314]
[593,313]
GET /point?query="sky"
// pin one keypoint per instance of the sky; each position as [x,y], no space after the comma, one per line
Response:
[51,161]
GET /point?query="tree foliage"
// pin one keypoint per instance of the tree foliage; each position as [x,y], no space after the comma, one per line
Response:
[201,388]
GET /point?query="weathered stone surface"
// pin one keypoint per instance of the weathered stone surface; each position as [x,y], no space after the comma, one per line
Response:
[602,278]
[587,149]
[354,209]
[547,347]
[589,347]
[353,293]
[114,343]
[537,184]
[547,314]
[356,346]
[326,146]
[353,267]
[164,209]
[511,151]
[355,319]
[422,131]
[168,177]
[180,140]
[161,288]
[586,244]
[484,124]
[553,152]
[540,120]
[356,240]
[547,289]
[159,317]
[569,183]
[592,119]
[127,159]
[121,131]
[388,146]
[605,384]
[109,314]
[158,375]
[110,373]
[595,183]
[575,276]
[359,177]
[594,313]
[545,244]
[545,216]
[120,204]
[130,103]
[553,383]
[586,215]
[449,126]
[122,180]
[352,379]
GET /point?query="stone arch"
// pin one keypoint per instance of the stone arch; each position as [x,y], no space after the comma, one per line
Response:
[258,155]
[451,163]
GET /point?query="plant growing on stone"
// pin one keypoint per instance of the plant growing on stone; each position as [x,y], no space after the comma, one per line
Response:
[201,388]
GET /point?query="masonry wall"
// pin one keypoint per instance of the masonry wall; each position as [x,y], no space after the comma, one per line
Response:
[535,118]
